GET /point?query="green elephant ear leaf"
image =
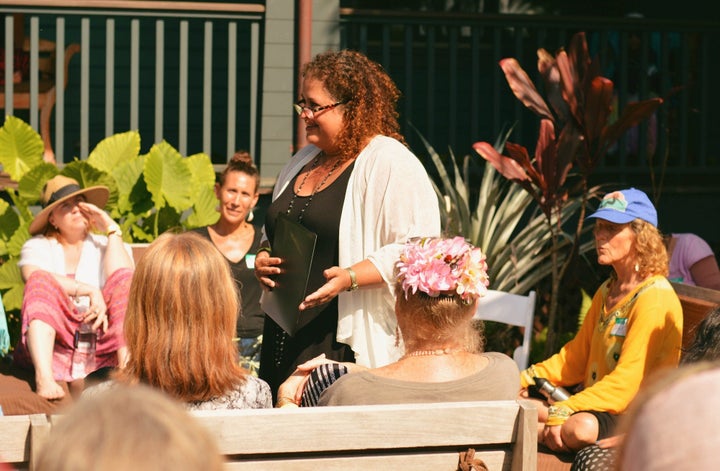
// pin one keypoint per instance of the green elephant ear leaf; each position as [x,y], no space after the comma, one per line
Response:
[21,147]
[133,196]
[167,177]
[87,175]
[204,210]
[115,150]
[9,222]
[167,219]
[30,186]
[202,170]
[17,240]
[11,283]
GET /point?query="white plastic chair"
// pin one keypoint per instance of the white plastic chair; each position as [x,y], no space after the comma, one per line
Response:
[512,309]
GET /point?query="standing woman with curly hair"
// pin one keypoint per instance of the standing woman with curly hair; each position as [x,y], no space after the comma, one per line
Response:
[632,328]
[360,189]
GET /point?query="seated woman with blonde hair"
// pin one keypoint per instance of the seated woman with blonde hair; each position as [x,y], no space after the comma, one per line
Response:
[180,324]
[439,284]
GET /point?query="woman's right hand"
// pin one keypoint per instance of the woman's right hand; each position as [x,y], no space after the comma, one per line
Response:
[294,385]
[265,267]
[97,311]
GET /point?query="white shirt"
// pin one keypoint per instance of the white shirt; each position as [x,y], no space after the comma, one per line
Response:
[389,199]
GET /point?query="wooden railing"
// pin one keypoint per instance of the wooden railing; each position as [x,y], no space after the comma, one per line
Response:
[185,72]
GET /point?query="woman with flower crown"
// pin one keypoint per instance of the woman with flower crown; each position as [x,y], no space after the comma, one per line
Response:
[439,283]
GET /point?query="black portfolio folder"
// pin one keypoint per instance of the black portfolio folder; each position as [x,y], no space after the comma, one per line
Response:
[295,244]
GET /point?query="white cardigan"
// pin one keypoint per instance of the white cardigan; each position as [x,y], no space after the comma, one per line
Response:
[389,199]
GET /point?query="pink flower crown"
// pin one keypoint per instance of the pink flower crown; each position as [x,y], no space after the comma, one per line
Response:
[438,266]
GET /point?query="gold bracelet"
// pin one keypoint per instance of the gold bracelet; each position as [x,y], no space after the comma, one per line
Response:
[353,279]
[285,401]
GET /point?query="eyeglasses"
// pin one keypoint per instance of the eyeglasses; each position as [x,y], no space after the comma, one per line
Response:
[310,111]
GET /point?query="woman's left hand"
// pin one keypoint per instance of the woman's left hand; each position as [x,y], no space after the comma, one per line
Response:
[97,218]
[552,438]
[338,280]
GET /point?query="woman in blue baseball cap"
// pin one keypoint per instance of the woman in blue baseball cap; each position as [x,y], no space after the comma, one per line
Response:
[632,328]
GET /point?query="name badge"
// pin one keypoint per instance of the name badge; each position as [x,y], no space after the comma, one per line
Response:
[620,327]
[250,261]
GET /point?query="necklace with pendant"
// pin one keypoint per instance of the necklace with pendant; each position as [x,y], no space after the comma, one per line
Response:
[315,190]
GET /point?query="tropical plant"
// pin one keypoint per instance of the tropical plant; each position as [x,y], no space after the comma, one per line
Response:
[581,101]
[502,219]
[149,193]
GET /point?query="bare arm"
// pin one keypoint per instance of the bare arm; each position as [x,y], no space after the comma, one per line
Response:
[338,280]
[705,273]
[116,256]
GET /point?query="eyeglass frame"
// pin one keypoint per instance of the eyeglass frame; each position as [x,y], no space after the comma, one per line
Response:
[310,112]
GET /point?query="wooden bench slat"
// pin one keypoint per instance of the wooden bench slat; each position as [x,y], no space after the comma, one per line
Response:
[495,460]
[394,436]
[21,438]
[368,427]
[15,438]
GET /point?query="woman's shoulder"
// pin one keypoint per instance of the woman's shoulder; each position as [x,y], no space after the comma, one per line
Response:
[388,154]
[39,241]
[500,360]
[380,144]
[203,231]
[252,393]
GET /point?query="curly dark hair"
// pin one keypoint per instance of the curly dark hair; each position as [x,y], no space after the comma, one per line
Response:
[370,93]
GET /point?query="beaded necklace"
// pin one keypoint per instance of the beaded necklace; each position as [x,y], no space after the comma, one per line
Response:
[315,190]
[436,352]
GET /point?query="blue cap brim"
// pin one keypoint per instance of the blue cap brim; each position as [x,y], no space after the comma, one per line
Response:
[612,215]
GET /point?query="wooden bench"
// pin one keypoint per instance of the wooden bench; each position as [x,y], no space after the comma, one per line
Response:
[402,436]
[21,437]
[696,303]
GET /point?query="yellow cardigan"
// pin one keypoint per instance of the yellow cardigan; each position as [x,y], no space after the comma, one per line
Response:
[615,350]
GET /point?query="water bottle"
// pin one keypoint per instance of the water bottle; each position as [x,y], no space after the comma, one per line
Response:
[83,360]
[550,391]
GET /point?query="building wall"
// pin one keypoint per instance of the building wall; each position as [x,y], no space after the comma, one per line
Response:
[279,79]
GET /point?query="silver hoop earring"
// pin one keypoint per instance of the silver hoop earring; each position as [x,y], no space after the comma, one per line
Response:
[250,216]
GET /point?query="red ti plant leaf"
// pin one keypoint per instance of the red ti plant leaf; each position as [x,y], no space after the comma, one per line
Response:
[570,145]
[507,167]
[520,155]
[569,84]
[551,76]
[511,167]
[579,57]
[523,88]
[598,105]
[631,116]
[546,157]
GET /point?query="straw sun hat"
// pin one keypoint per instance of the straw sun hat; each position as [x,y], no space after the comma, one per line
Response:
[61,188]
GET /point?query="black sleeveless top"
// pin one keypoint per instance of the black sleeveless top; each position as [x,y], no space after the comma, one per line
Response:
[281,353]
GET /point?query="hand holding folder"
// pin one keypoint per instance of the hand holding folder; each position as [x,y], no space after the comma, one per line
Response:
[295,245]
